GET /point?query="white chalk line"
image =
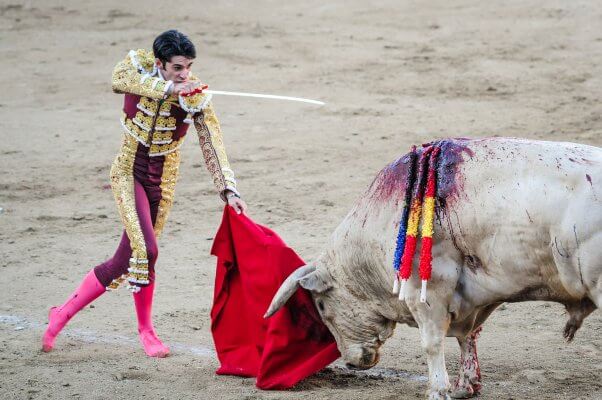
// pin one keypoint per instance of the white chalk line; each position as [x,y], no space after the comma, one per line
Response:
[87,336]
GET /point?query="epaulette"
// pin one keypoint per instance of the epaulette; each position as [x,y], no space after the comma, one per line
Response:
[144,61]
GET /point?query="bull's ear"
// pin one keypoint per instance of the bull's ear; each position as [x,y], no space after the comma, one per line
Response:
[315,282]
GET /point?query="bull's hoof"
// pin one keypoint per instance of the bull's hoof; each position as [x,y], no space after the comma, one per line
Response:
[465,389]
[462,393]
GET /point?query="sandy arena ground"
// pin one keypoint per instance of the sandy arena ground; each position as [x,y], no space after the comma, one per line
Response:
[394,73]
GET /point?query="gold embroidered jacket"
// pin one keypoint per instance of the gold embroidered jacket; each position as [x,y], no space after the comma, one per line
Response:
[159,122]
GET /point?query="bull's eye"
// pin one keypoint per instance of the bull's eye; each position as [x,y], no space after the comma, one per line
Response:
[321,306]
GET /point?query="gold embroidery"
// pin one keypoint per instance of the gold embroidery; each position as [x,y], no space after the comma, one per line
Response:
[165,109]
[148,106]
[117,282]
[194,103]
[135,74]
[134,131]
[214,152]
[161,136]
[168,184]
[145,122]
[162,149]
[122,183]
[144,61]
[137,273]
[165,124]
[160,141]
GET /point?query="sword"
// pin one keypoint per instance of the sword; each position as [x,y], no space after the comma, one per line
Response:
[204,89]
[264,96]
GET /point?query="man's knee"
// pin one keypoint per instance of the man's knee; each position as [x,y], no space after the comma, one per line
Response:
[152,253]
[109,270]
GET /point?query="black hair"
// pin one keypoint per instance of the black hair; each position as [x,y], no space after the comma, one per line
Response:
[173,43]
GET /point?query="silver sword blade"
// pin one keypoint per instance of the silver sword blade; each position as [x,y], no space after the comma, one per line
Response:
[263,96]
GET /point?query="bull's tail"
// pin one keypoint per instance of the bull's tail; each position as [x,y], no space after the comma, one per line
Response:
[577,313]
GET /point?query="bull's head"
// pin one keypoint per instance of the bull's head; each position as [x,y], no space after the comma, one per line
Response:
[355,322]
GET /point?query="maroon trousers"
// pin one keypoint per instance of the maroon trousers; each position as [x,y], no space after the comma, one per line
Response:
[147,204]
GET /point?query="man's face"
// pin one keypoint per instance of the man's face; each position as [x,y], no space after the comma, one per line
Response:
[176,70]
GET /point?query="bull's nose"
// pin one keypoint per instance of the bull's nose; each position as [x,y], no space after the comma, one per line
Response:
[368,359]
[352,367]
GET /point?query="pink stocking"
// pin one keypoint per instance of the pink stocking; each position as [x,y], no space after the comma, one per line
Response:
[153,347]
[87,292]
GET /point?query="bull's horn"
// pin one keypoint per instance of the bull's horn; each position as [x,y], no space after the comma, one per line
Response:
[288,288]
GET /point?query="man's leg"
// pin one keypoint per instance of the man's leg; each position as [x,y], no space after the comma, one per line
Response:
[117,265]
[101,276]
[88,290]
[92,286]
[143,300]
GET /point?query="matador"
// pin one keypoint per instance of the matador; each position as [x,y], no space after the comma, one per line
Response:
[161,99]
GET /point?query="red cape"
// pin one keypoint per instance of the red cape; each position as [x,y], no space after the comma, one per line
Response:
[252,262]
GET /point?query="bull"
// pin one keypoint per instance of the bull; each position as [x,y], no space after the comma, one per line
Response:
[516,220]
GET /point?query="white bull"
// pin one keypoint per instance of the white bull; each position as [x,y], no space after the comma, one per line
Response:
[517,220]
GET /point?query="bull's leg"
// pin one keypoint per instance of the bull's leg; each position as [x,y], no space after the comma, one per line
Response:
[468,382]
[433,323]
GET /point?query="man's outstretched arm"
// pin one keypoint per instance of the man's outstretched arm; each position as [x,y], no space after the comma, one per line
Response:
[214,153]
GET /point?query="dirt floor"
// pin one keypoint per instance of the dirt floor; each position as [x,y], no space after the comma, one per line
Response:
[393,73]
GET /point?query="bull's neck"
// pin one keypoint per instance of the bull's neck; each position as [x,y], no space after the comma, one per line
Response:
[370,284]
[357,256]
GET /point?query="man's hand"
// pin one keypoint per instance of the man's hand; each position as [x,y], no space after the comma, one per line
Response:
[185,87]
[237,203]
